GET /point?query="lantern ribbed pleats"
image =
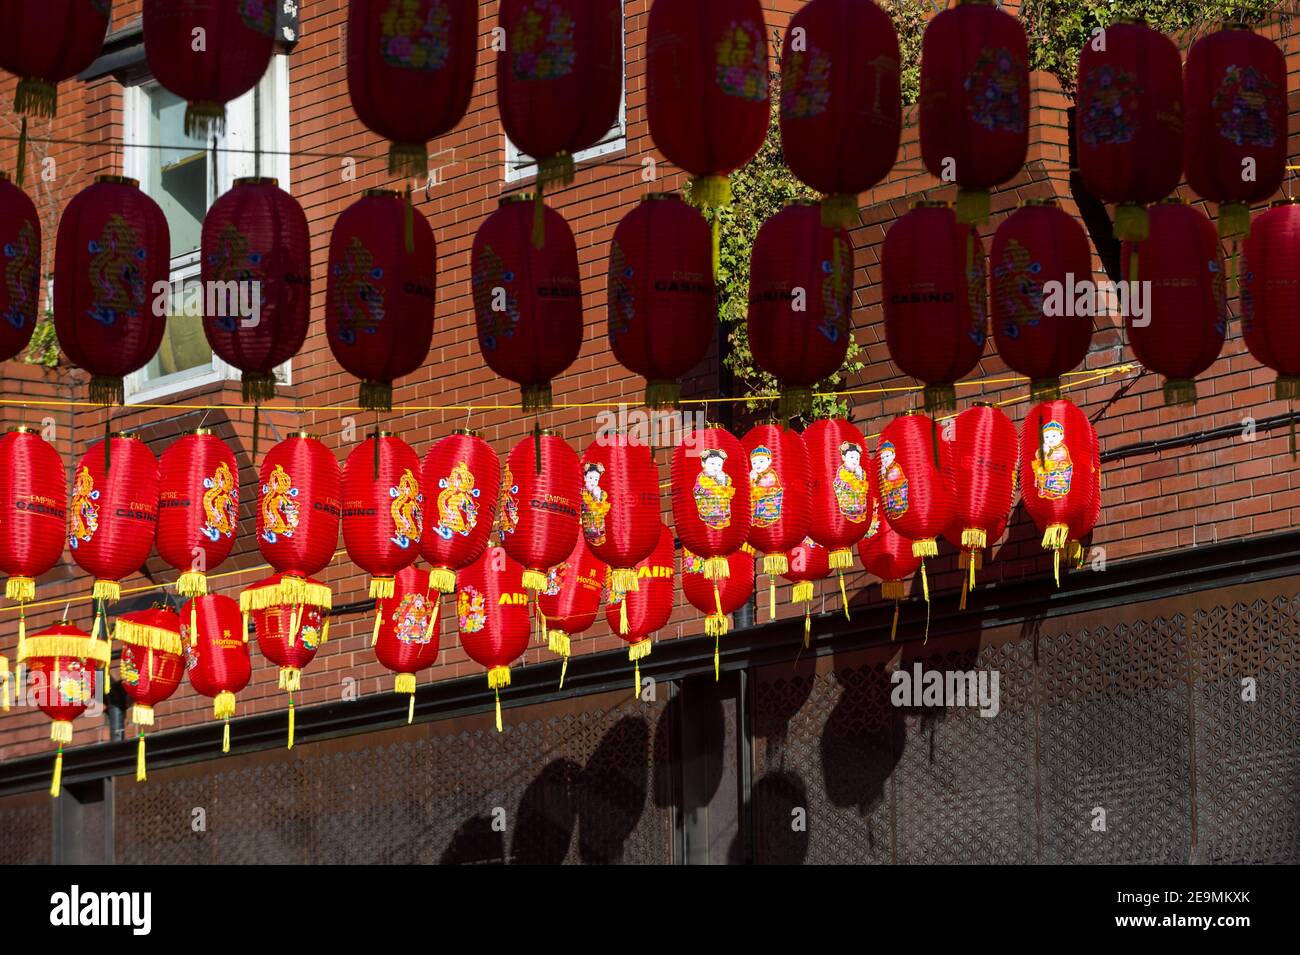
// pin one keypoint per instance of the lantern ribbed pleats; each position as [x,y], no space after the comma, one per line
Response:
[198,508]
[383,509]
[806,563]
[462,483]
[568,604]
[915,485]
[20,241]
[406,639]
[985,453]
[298,507]
[1058,471]
[548,503]
[291,617]
[648,608]
[1271,296]
[840,488]
[216,650]
[151,666]
[779,494]
[33,513]
[720,597]
[620,504]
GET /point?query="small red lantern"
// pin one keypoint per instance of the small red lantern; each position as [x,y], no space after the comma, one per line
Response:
[65,659]
[407,635]
[291,618]
[381,292]
[569,603]
[411,72]
[888,555]
[383,510]
[841,489]
[527,300]
[208,52]
[298,509]
[1058,462]
[780,496]
[806,563]
[935,297]
[1271,296]
[841,106]
[216,654]
[492,614]
[151,667]
[663,300]
[974,109]
[33,515]
[916,493]
[20,257]
[1039,253]
[717,599]
[198,508]
[620,505]
[113,250]
[800,302]
[461,478]
[548,503]
[1236,93]
[985,453]
[711,507]
[649,607]
[1182,332]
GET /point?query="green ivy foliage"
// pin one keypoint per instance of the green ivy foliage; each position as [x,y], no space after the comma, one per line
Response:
[44,347]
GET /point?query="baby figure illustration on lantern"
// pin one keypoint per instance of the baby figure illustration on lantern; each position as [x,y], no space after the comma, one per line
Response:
[595,504]
[852,491]
[893,482]
[765,490]
[714,490]
[457,504]
[1053,469]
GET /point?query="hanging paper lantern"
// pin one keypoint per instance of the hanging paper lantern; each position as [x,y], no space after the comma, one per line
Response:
[411,72]
[806,563]
[65,659]
[151,666]
[1039,253]
[20,260]
[800,302]
[198,507]
[620,504]
[717,599]
[291,619]
[648,607]
[707,91]
[1235,91]
[1128,122]
[711,506]
[113,249]
[461,478]
[383,509]
[1182,331]
[548,500]
[841,105]
[381,292]
[1058,464]
[527,300]
[779,497]
[663,300]
[1271,296]
[935,297]
[216,654]
[568,604]
[840,489]
[888,555]
[208,52]
[985,452]
[974,107]
[1084,527]
[298,509]
[406,639]
[492,614]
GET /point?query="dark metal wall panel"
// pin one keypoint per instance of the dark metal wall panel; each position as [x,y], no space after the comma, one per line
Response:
[26,829]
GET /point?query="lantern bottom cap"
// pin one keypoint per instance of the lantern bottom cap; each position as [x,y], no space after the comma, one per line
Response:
[223,705]
[1056,536]
[892,589]
[774,564]
[61,731]
[926,547]
[20,589]
[290,679]
[192,583]
[109,591]
[715,625]
[710,192]
[841,559]
[941,397]
[536,397]
[972,205]
[382,588]
[498,677]
[716,568]
[1287,388]
[840,210]
[404,683]
[203,117]
[36,97]
[442,579]
[802,592]
[1180,391]
[257,386]
[376,395]
[625,579]
[408,159]
[974,538]
[1132,223]
[142,715]
[534,580]
[557,641]
[106,390]
[641,649]
[1234,220]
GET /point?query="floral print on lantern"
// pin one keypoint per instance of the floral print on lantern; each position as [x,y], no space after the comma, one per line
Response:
[258,16]
[806,86]
[233,261]
[411,620]
[1019,291]
[21,276]
[542,43]
[413,34]
[471,610]
[1245,103]
[995,97]
[1109,106]
[742,62]
[835,293]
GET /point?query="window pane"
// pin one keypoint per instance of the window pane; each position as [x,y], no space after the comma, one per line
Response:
[182,173]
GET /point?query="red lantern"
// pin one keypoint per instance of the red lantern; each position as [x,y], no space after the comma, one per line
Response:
[411,72]
[888,555]
[974,109]
[649,607]
[1039,253]
[298,509]
[1081,529]
[291,618]
[45,43]
[569,603]
[1128,122]
[663,300]
[492,614]
[208,52]
[718,598]
[20,243]
[33,516]
[1058,461]
[198,508]
[620,504]
[548,504]
[1271,296]
[985,452]
[840,488]
[461,478]
[113,249]
[841,106]
[1236,91]
[800,302]
[711,508]
[916,493]
[383,510]
[151,666]
[407,635]
[1182,331]
[935,296]
[382,287]
[806,562]
[65,659]
[780,498]
[216,654]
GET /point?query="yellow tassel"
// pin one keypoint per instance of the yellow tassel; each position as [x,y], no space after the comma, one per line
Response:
[325,631]
[624,628]
[410,710]
[925,548]
[433,618]
[802,592]
[636,679]
[442,580]
[142,715]
[374,637]
[245,626]
[925,583]
[625,580]
[95,628]
[381,588]
[564,668]
[971,564]
[559,643]
[291,727]
[841,559]
[771,598]
[225,737]
[534,580]
[1056,566]
[499,726]
[109,591]
[140,774]
[58,773]
[973,538]
[192,583]
[4,682]
[20,589]
[964,588]
[807,627]
[498,677]
[295,623]
[194,623]
[717,603]
[893,627]
[844,598]
[717,657]
[223,705]
[716,568]
[776,564]
[153,638]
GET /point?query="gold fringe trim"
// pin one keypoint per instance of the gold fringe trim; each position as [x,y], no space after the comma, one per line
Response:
[107,590]
[774,564]
[716,568]
[557,641]
[290,679]
[536,397]
[892,589]
[65,645]
[710,192]
[153,638]
[929,547]
[442,580]
[381,588]
[802,592]
[289,591]
[1234,220]
[408,160]
[192,583]
[534,580]
[1132,224]
[223,705]
[840,211]
[1286,389]
[841,559]
[36,97]
[715,625]
[972,206]
[937,398]
[142,715]
[1056,536]
[404,683]
[61,731]
[662,394]
[498,677]
[625,579]
[20,589]
[974,538]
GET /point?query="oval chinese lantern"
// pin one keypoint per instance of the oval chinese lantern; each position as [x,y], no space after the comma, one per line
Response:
[461,477]
[216,654]
[985,451]
[888,555]
[527,300]
[549,496]
[841,106]
[647,608]
[1040,253]
[381,291]
[916,492]
[1128,122]
[151,667]
[707,91]
[571,599]
[208,52]
[64,659]
[1088,523]
[291,619]
[33,515]
[800,302]
[1235,88]
[840,489]
[1182,328]
[1271,296]
[935,297]
[411,72]
[383,510]
[198,508]
[717,599]
[1058,464]
[780,502]
[974,107]
[113,249]
[298,510]
[407,635]
[20,259]
[492,615]
[620,504]
[663,300]
[711,505]
[806,563]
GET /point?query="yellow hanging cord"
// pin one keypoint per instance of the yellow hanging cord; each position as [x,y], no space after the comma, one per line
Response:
[717,662]
[807,625]
[225,736]
[844,598]
[564,668]
[498,693]
[410,710]
[58,772]
[771,597]
[636,678]
[139,760]
[290,746]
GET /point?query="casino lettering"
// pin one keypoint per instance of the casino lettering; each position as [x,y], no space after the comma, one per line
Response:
[923,298]
[325,506]
[555,507]
[36,507]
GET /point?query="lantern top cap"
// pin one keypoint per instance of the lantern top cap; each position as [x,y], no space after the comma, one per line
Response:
[257,181]
[549,433]
[466,432]
[118,181]
[1288,201]
[1048,203]
[1237,25]
[127,435]
[201,432]
[304,434]
[983,404]
[384,193]
[515,197]
[931,204]
[382,434]
[22,429]
[913,411]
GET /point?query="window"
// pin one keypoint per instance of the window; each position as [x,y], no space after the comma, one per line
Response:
[185,176]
